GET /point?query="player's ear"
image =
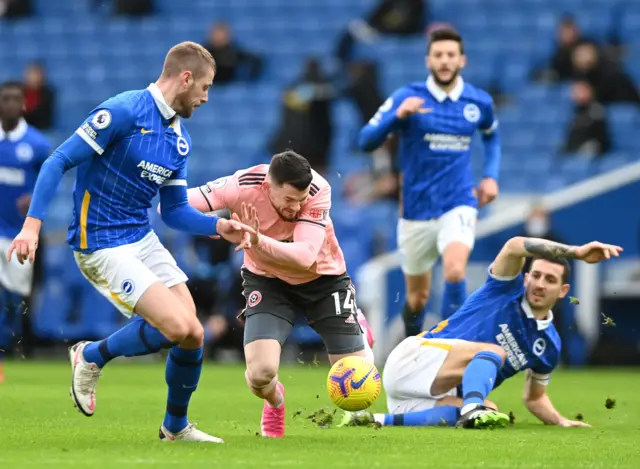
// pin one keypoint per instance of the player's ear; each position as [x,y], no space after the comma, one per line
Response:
[463,61]
[186,79]
[526,278]
[564,290]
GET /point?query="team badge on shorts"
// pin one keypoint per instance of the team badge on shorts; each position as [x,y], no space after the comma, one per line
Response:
[254,298]
[128,287]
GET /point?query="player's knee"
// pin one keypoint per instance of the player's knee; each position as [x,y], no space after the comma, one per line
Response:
[177,331]
[417,300]
[454,272]
[260,375]
[495,349]
[196,332]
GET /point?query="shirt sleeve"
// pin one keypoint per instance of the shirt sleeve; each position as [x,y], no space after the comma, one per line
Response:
[488,121]
[308,236]
[504,285]
[214,195]
[383,122]
[107,123]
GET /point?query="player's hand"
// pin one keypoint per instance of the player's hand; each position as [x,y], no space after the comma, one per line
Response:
[25,246]
[409,107]
[595,252]
[23,204]
[249,216]
[566,423]
[487,191]
[235,232]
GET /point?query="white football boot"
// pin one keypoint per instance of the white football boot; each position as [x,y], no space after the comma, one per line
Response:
[84,380]
[190,433]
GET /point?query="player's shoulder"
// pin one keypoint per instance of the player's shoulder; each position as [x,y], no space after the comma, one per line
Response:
[475,94]
[124,106]
[251,177]
[554,340]
[318,183]
[36,138]
[416,88]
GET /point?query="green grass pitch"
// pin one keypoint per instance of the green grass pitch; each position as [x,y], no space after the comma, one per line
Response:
[40,428]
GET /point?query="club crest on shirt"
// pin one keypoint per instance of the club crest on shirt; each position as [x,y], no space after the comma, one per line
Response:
[471,112]
[24,152]
[539,346]
[183,146]
[102,119]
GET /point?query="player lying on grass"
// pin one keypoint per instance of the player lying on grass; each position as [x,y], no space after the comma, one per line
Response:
[444,375]
[131,147]
[295,265]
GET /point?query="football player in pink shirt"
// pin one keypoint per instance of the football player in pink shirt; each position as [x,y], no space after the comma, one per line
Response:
[294,265]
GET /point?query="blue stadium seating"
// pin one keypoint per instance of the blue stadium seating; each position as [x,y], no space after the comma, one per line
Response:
[90,56]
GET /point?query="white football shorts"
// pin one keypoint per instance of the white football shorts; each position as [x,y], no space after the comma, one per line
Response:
[410,372]
[421,242]
[122,274]
[15,277]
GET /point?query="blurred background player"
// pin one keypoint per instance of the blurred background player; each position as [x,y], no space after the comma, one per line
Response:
[446,373]
[435,122]
[130,148]
[23,149]
[295,265]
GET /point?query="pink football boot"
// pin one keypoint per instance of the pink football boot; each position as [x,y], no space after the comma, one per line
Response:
[272,423]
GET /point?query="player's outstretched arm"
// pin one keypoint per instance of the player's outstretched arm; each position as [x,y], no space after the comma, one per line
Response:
[299,254]
[539,404]
[488,187]
[390,115]
[73,152]
[511,258]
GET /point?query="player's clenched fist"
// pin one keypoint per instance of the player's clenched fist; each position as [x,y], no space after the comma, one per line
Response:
[409,107]
[25,246]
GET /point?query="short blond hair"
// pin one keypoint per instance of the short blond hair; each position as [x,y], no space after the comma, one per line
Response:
[187,56]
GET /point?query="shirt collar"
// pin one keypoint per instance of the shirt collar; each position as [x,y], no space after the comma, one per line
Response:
[17,133]
[167,111]
[440,94]
[542,323]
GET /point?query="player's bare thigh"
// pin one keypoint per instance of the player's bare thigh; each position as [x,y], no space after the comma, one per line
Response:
[456,238]
[170,312]
[461,353]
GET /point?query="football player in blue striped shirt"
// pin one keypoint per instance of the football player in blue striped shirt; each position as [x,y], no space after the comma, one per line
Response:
[435,121]
[23,149]
[128,149]
[443,376]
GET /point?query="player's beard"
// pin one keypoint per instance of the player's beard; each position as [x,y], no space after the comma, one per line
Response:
[445,83]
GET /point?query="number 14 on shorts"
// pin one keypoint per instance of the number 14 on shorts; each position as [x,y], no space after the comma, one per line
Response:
[347,306]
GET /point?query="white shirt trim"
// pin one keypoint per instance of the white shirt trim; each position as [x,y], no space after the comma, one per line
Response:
[16,134]
[167,111]
[175,182]
[440,94]
[542,323]
[501,278]
[91,142]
